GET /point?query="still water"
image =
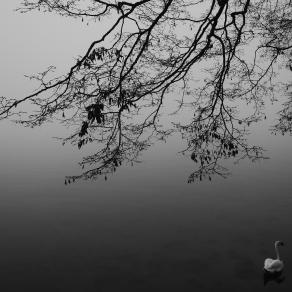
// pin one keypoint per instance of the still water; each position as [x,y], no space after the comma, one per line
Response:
[145,228]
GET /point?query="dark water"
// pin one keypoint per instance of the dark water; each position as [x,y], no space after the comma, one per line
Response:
[145,228]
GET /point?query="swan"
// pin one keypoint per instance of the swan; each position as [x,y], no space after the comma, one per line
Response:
[274,265]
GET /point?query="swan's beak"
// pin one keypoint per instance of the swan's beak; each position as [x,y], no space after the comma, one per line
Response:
[281,243]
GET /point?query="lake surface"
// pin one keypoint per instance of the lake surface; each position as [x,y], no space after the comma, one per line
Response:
[145,228]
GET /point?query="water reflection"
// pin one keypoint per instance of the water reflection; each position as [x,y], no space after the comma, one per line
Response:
[277,277]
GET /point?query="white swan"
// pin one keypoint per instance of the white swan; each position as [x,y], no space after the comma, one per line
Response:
[274,265]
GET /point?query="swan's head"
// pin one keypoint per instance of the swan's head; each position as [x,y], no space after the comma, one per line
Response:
[279,243]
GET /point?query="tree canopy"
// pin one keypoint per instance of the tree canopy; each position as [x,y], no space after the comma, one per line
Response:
[212,54]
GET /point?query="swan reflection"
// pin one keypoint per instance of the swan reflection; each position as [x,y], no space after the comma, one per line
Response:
[277,277]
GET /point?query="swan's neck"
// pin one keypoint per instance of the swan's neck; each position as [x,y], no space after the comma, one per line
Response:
[277,251]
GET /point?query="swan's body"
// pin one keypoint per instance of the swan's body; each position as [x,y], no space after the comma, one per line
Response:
[274,265]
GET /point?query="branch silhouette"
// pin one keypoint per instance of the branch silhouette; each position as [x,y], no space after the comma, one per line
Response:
[114,93]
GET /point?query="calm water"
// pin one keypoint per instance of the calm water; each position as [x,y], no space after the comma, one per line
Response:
[145,228]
